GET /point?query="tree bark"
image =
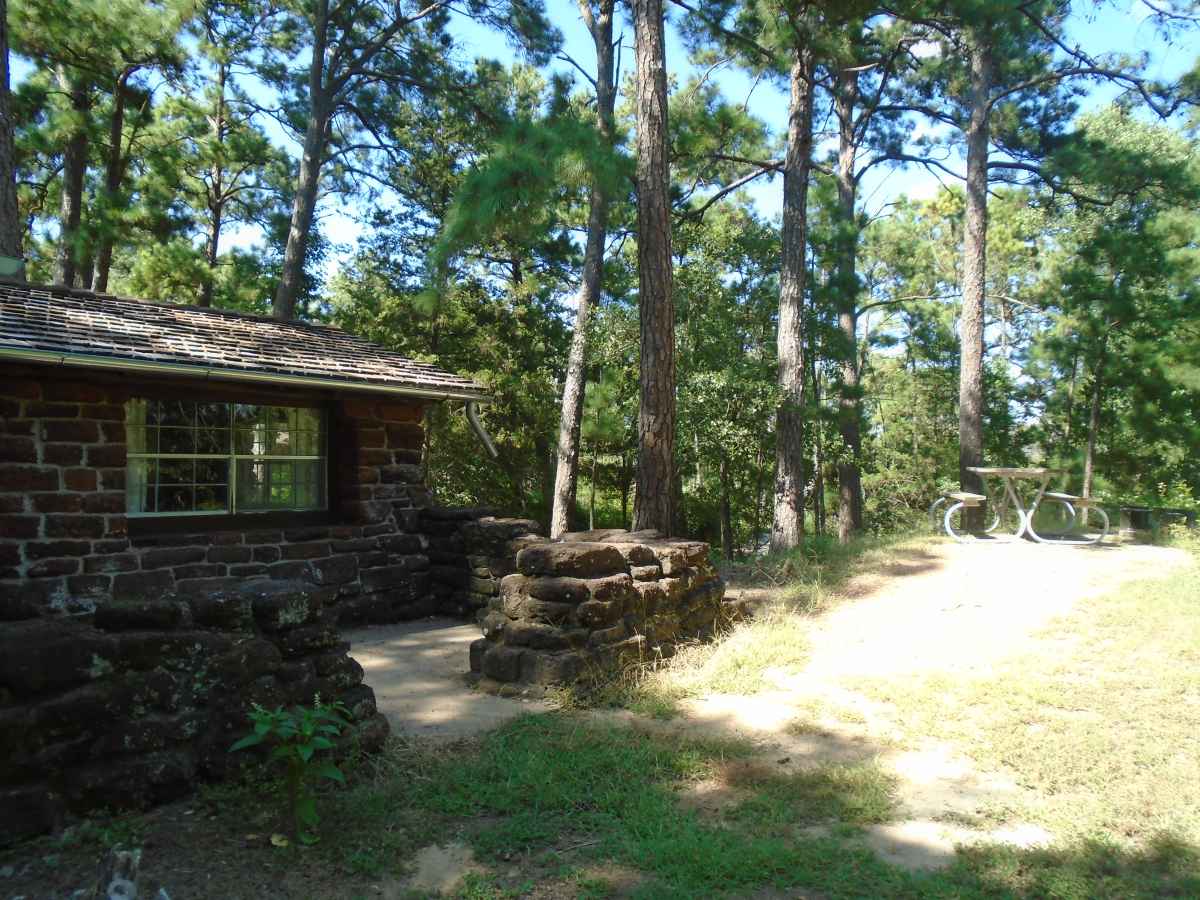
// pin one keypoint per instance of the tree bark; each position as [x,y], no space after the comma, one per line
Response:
[970,376]
[1089,456]
[10,225]
[574,383]
[654,504]
[726,511]
[787,528]
[818,450]
[74,164]
[217,199]
[626,478]
[114,174]
[850,515]
[592,492]
[1071,401]
[308,181]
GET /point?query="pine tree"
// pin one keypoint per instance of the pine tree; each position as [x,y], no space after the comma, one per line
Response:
[654,505]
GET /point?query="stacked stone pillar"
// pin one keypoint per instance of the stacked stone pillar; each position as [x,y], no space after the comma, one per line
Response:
[595,601]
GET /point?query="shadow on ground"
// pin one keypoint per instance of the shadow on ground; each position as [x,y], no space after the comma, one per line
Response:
[418,672]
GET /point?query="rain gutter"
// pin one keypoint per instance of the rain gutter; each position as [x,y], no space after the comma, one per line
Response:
[214,373]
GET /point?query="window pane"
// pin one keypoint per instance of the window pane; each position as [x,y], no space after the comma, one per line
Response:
[308,443]
[281,472]
[246,442]
[282,496]
[213,498]
[212,440]
[279,443]
[138,495]
[213,414]
[212,471]
[176,471]
[174,412]
[251,482]
[176,440]
[246,414]
[176,498]
[308,419]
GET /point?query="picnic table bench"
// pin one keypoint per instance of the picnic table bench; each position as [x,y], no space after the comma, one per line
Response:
[1010,497]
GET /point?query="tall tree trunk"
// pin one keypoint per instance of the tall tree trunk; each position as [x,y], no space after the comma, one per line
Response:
[114,174]
[850,515]
[74,164]
[726,511]
[592,492]
[1071,400]
[216,189]
[626,478]
[787,528]
[654,504]
[86,268]
[760,466]
[818,454]
[308,181]
[304,206]
[970,376]
[574,384]
[10,227]
[1089,456]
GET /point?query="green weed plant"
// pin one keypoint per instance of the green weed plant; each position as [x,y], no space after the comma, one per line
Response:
[301,738]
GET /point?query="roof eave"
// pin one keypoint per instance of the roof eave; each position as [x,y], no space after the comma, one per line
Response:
[216,373]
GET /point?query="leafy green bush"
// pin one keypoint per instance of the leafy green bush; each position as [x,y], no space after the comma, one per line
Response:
[300,738]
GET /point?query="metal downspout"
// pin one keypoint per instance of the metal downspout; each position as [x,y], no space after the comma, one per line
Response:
[484,437]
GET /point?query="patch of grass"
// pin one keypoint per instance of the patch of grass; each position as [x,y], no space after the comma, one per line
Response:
[1106,735]
[105,831]
[809,576]
[805,728]
[570,775]
[612,788]
[486,887]
[740,663]
[860,794]
[1085,869]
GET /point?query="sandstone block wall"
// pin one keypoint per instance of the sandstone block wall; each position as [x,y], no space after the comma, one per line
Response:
[593,601]
[65,543]
[128,663]
[470,550]
[134,705]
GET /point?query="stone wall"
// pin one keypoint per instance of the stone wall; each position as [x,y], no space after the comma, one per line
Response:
[127,662]
[65,543]
[470,550]
[134,705]
[594,601]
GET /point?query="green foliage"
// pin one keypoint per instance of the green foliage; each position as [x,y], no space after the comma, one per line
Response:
[301,739]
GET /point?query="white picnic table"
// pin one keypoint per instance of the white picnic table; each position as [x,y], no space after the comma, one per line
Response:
[1012,478]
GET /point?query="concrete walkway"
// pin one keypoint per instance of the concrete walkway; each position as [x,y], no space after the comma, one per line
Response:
[418,669]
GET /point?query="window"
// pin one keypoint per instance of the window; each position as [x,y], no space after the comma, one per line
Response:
[198,458]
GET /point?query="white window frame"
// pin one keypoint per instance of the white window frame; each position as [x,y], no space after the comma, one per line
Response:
[233,457]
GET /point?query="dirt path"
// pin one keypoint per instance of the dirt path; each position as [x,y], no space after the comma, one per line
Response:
[943,609]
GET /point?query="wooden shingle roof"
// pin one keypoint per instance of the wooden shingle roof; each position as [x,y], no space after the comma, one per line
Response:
[51,324]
